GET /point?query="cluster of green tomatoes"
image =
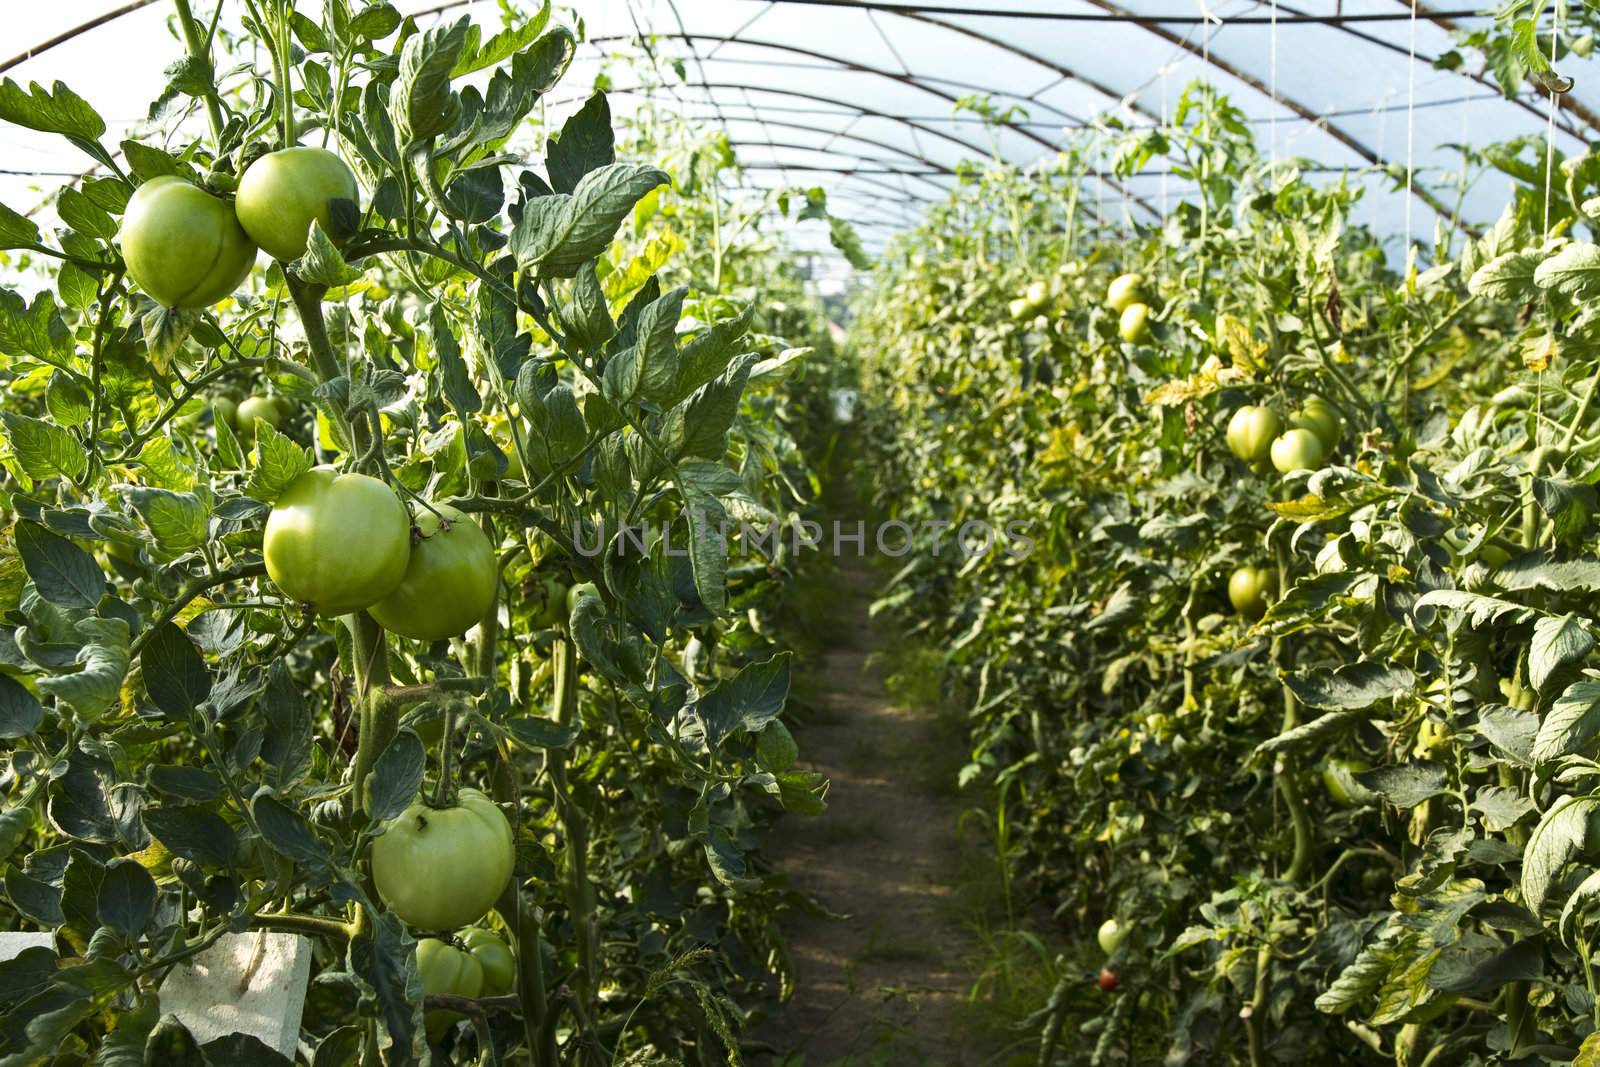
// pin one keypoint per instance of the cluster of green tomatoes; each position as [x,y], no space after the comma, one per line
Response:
[1258,435]
[189,249]
[1126,296]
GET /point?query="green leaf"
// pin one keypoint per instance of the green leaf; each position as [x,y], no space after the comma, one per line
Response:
[175,675]
[586,143]
[1405,785]
[1556,642]
[103,664]
[540,733]
[421,103]
[586,318]
[323,263]
[396,777]
[20,711]
[58,110]
[1508,278]
[1573,272]
[1560,837]
[458,387]
[1352,687]
[279,461]
[197,834]
[749,700]
[288,833]
[17,231]
[43,449]
[36,330]
[558,234]
[63,573]
[127,898]
[178,521]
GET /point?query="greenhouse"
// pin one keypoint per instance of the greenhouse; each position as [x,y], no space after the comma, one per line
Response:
[799,533]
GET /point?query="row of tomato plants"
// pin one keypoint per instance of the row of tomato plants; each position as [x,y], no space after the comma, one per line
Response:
[1294,698]
[392,589]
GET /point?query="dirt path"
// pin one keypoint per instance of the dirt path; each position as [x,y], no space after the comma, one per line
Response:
[886,984]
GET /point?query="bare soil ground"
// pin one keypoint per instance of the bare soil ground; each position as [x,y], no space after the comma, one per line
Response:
[886,984]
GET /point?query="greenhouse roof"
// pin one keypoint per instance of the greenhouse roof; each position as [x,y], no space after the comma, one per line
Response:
[860,98]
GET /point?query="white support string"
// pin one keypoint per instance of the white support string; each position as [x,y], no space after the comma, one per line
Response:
[1550,124]
[1272,76]
[1411,125]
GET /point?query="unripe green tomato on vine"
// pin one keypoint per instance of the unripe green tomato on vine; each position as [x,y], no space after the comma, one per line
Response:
[252,408]
[1251,432]
[1318,416]
[1251,589]
[1124,291]
[1298,450]
[224,409]
[444,868]
[1134,326]
[1432,737]
[1110,935]
[283,191]
[547,600]
[494,956]
[1339,778]
[446,970]
[450,581]
[338,542]
[578,592]
[183,246]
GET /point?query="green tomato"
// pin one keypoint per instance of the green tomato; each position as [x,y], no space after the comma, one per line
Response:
[450,581]
[225,409]
[1339,776]
[494,956]
[283,191]
[1251,432]
[1134,326]
[446,970]
[252,408]
[1318,416]
[578,592]
[1251,589]
[1298,450]
[444,868]
[548,600]
[182,245]
[1021,309]
[1431,737]
[1110,936]
[1125,291]
[338,542]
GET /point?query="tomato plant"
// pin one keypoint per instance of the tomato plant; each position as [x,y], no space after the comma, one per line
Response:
[207,731]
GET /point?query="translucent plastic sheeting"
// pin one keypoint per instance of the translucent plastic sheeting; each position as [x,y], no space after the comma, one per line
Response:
[862,100]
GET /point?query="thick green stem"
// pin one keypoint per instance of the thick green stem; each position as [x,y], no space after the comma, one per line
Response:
[198,51]
[1300,865]
[524,928]
[308,302]
[310,925]
[580,896]
[380,713]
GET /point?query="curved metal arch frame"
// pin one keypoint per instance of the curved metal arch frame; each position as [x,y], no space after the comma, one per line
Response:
[1334,130]
[904,79]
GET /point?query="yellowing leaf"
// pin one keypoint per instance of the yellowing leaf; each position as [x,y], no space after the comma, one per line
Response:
[1243,349]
